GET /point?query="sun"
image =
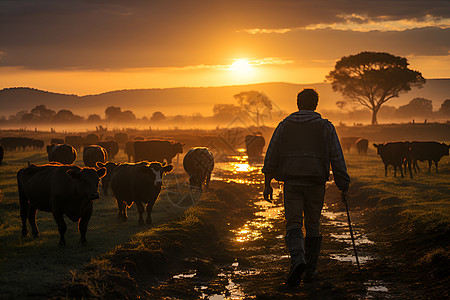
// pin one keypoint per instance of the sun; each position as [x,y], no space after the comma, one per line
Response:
[241,67]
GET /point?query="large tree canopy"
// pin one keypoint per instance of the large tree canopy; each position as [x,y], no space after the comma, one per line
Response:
[371,79]
[254,102]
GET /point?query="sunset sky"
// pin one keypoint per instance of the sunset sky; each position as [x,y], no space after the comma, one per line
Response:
[93,46]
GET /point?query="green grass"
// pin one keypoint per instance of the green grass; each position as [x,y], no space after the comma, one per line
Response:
[423,200]
[30,264]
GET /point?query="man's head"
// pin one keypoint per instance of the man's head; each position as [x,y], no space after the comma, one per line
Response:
[307,99]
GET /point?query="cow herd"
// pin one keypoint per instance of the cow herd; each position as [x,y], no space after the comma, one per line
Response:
[62,188]
[403,155]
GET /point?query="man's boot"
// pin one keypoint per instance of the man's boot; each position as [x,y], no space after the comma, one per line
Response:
[296,246]
[312,247]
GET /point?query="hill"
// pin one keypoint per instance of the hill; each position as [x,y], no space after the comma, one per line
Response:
[186,101]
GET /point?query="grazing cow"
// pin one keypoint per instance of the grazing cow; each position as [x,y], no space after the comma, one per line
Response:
[112,147]
[92,139]
[14,143]
[395,154]
[129,150]
[57,141]
[61,190]
[106,180]
[37,144]
[254,145]
[93,154]
[156,150]
[140,183]
[198,163]
[430,151]
[75,141]
[362,145]
[64,154]
[347,142]
[1,155]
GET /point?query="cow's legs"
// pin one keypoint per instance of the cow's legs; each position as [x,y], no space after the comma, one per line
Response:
[149,209]
[83,224]
[416,166]
[429,166]
[23,202]
[395,171]
[62,227]
[140,208]
[32,219]
[436,165]
[409,168]
[385,170]
[401,171]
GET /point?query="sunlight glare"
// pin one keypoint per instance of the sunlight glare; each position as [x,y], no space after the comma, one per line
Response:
[241,66]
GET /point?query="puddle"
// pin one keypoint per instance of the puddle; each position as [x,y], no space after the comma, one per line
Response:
[191,274]
[376,289]
[351,257]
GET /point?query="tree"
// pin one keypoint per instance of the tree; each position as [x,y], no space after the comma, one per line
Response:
[445,108]
[127,116]
[64,115]
[112,113]
[225,112]
[254,102]
[419,107]
[373,78]
[157,116]
[42,113]
[94,118]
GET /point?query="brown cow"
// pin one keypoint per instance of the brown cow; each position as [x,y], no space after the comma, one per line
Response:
[395,154]
[254,145]
[156,150]
[362,145]
[129,150]
[139,183]
[430,151]
[348,142]
[106,180]
[60,189]
[92,139]
[76,141]
[64,154]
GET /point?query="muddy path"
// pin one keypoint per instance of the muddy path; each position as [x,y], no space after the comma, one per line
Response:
[260,259]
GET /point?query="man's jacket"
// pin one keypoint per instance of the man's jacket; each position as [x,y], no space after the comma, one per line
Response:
[301,149]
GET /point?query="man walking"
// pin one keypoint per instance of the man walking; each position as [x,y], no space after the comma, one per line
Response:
[300,152]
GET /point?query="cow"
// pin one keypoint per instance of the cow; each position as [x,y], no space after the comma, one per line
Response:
[430,151]
[64,154]
[395,154]
[37,144]
[92,139]
[198,163]
[76,141]
[112,147]
[121,137]
[56,141]
[1,155]
[156,150]
[254,145]
[129,150]
[60,189]
[347,142]
[93,154]
[14,143]
[106,180]
[362,145]
[139,183]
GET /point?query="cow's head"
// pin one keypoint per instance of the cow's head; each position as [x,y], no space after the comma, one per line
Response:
[109,166]
[87,180]
[156,171]
[378,147]
[446,148]
[178,147]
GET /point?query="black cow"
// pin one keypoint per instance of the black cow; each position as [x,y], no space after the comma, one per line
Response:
[430,151]
[93,154]
[112,147]
[198,163]
[156,150]
[106,180]
[395,154]
[56,141]
[37,144]
[14,143]
[92,139]
[76,141]
[140,183]
[60,189]
[64,154]
[362,145]
[1,155]
[254,145]
[129,150]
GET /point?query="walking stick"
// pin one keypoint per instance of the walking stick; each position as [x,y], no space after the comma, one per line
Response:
[351,232]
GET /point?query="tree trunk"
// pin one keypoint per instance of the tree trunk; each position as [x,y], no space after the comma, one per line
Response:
[374,116]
